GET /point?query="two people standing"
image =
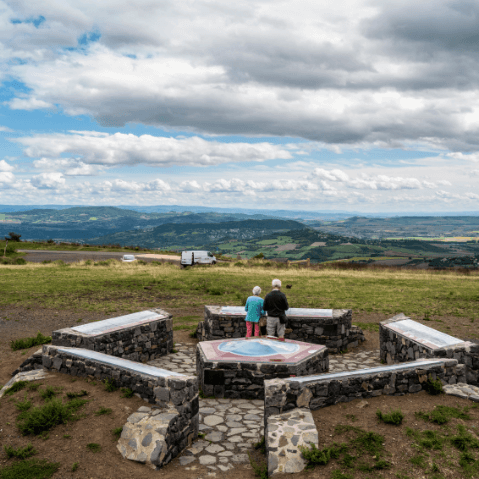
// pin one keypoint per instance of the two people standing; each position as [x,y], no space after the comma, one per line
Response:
[275,304]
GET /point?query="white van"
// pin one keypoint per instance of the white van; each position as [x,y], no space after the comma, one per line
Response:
[197,257]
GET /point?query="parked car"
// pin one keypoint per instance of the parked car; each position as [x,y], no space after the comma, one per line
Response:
[128,258]
[192,257]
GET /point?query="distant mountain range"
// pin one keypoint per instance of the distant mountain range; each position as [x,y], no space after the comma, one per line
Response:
[195,235]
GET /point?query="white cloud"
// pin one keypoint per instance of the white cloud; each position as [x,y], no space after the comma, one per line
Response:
[68,166]
[343,73]
[48,181]
[6,178]
[6,129]
[126,149]
[4,166]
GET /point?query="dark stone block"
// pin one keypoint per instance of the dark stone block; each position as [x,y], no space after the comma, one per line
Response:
[216,378]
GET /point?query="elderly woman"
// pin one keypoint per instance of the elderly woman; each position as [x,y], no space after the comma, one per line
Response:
[254,308]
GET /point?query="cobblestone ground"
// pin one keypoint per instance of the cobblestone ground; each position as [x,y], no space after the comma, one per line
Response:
[231,426]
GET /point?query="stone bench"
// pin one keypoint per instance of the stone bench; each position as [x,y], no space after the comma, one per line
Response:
[141,336]
[315,392]
[402,339]
[168,429]
[330,327]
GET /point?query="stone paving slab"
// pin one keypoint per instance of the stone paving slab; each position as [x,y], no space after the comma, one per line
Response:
[230,427]
[463,390]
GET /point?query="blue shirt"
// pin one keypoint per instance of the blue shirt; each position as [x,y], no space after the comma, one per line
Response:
[254,308]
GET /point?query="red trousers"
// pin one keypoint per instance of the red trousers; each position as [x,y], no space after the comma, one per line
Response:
[249,329]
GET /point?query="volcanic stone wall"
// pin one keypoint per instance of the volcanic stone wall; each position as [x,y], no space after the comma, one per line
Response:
[141,343]
[336,333]
[317,392]
[245,380]
[396,347]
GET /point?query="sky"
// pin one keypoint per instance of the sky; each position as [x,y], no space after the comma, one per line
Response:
[352,105]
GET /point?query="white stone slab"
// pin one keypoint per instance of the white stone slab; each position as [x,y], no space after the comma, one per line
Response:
[119,362]
[320,313]
[362,372]
[115,324]
[423,334]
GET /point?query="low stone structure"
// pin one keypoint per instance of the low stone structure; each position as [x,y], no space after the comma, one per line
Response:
[315,392]
[238,368]
[156,436]
[330,327]
[401,339]
[284,435]
[35,375]
[32,363]
[155,385]
[141,336]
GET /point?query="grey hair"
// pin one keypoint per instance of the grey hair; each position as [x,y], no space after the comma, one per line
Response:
[256,290]
[276,283]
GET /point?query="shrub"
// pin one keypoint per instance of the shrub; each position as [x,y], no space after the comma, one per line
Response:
[43,418]
[102,411]
[433,387]
[117,432]
[393,417]
[48,393]
[75,466]
[259,256]
[93,447]
[110,386]
[26,343]
[51,241]
[20,261]
[127,393]
[21,452]
[18,386]
[31,469]
[13,237]
[77,395]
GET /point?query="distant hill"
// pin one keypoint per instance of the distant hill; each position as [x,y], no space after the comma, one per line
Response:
[81,223]
[173,235]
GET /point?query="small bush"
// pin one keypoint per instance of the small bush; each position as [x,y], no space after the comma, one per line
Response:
[48,393]
[20,261]
[110,386]
[321,457]
[442,414]
[75,466]
[93,447]
[117,432]
[433,387]
[31,469]
[260,470]
[464,439]
[127,393]
[82,393]
[102,411]
[18,386]
[43,418]
[259,256]
[26,343]
[21,452]
[24,405]
[260,445]
[46,261]
[394,417]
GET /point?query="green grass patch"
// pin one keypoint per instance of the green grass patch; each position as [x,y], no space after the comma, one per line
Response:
[427,439]
[41,419]
[110,386]
[373,327]
[31,469]
[93,447]
[26,343]
[75,466]
[117,432]
[394,417]
[21,452]
[48,393]
[103,410]
[126,393]
[442,414]
[18,386]
[82,393]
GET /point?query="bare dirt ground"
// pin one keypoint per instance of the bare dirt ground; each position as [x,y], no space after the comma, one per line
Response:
[17,322]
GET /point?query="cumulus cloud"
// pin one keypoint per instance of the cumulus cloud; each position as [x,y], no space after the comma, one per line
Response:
[6,178]
[48,181]
[68,166]
[368,182]
[4,166]
[345,73]
[5,129]
[117,149]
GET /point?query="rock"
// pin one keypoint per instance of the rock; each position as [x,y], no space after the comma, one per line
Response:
[185,460]
[212,420]
[362,404]
[207,460]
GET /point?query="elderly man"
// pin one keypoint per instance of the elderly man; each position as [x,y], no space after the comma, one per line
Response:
[275,304]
